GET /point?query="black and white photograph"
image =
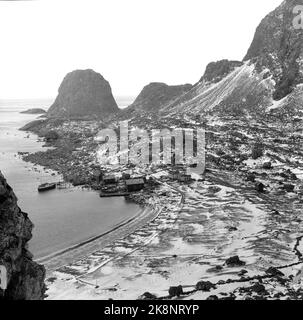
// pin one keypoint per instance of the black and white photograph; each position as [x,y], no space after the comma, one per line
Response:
[151,150]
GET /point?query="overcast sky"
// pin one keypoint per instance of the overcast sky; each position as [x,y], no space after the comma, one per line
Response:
[130,42]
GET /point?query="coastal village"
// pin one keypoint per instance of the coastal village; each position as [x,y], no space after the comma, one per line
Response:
[246,207]
[230,232]
[111,185]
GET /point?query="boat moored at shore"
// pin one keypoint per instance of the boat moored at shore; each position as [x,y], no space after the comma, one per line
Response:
[46,187]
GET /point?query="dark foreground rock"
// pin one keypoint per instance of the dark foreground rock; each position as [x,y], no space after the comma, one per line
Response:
[175,291]
[260,187]
[234,262]
[289,187]
[147,296]
[274,271]
[25,277]
[205,286]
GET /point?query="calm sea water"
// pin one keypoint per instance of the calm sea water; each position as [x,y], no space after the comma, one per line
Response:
[62,217]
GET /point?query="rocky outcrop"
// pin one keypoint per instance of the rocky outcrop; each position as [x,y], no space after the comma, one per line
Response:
[278,46]
[205,286]
[175,291]
[234,262]
[31,126]
[83,94]
[156,94]
[216,71]
[240,92]
[25,277]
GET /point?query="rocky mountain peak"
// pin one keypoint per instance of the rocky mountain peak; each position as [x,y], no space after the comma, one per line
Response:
[278,46]
[83,93]
[271,70]
[157,94]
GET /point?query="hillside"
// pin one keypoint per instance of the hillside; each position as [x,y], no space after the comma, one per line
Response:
[271,70]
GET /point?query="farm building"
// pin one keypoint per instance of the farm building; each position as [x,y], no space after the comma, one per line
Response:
[134,184]
[179,176]
[184,178]
[174,175]
[109,179]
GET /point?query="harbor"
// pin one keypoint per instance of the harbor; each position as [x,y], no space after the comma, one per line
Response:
[112,186]
[81,212]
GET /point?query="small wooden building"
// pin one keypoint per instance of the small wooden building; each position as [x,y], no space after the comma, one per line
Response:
[184,177]
[134,184]
[179,176]
[174,175]
[109,179]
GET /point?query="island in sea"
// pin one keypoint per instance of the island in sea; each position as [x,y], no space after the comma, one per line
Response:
[34,111]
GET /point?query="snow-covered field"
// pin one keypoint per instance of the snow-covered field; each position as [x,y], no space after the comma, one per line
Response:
[199,227]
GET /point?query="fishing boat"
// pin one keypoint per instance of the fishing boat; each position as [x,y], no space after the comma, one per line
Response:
[46,187]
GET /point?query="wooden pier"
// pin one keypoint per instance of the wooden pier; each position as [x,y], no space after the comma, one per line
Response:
[114,194]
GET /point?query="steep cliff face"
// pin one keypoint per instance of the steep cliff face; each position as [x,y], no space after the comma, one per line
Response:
[241,91]
[83,93]
[25,277]
[278,46]
[272,70]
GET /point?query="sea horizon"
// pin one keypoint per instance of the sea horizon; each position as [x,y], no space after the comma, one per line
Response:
[123,101]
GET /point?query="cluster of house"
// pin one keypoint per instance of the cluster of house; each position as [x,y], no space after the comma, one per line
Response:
[131,184]
[111,183]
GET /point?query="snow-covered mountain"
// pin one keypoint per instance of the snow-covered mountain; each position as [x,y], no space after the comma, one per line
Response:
[267,80]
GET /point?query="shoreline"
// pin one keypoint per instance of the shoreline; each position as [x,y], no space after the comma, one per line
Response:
[56,254]
[82,250]
[126,269]
[85,248]
[115,227]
